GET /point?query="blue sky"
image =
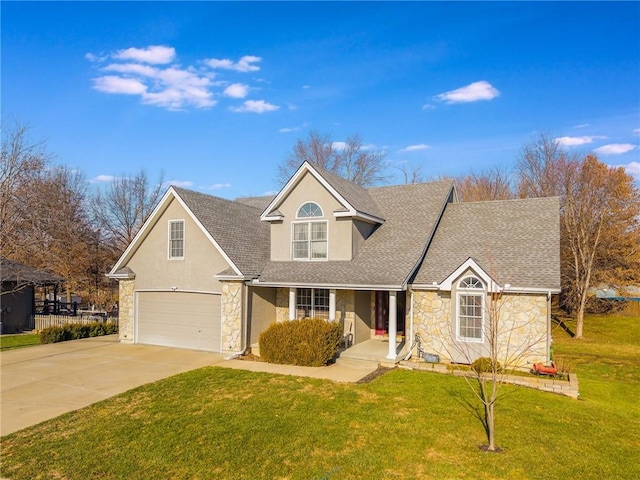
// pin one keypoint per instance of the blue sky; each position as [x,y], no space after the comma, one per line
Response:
[215,94]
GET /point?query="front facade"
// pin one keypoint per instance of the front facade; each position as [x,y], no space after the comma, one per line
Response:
[392,263]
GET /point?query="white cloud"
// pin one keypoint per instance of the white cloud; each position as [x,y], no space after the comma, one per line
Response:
[236,90]
[575,141]
[217,186]
[255,106]
[414,148]
[103,178]
[428,106]
[178,183]
[245,64]
[304,87]
[339,145]
[473,92]
[582,125]
[151,74]
[633,169]
[636,131]
[154,54]
[113,84]
[293,129]
[615,149]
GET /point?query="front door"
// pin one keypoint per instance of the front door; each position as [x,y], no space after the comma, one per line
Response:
[382,312]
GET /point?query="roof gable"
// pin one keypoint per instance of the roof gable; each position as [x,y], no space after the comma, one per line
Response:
[355,200]
[226,224]
[517,242]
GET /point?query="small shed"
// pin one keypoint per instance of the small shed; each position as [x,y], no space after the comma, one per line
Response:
[17,293]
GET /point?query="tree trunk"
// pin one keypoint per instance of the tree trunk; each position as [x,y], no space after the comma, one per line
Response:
[491,433]
[579,320]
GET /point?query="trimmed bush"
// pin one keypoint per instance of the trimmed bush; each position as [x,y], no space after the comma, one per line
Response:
[74,331]
[483,365]
[311,342]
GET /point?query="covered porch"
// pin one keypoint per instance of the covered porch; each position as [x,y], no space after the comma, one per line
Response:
[377,350]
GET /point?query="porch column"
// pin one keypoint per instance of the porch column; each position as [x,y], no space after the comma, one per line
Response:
[393,325]
[292,304]
[332,304]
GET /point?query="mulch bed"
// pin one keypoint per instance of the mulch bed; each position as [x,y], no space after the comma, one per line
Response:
[375,374]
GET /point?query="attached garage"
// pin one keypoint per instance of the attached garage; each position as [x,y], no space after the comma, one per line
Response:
[179,319]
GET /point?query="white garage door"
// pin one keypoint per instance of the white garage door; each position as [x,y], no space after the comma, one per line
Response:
[179,319]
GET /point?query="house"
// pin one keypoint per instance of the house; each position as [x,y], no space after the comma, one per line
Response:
[17,300]
[387,262]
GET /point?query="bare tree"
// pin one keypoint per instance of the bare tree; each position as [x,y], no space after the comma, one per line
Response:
[124,206]
[411,173]
[492,184]
[352,159]
[22,164]
[539,167]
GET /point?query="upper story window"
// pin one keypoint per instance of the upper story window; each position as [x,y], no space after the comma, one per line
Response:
[470,309]
[310,209]
[309,239]
[176,239]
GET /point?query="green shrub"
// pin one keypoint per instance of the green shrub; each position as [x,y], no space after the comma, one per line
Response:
[74,331]
[311,342]
[484,365]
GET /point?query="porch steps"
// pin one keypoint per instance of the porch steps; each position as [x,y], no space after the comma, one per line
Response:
[374,350]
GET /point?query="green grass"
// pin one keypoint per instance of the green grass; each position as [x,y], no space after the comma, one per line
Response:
[228,424]
[8,342]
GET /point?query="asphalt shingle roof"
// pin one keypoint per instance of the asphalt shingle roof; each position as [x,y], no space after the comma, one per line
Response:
[236,227]
[257,202]
[12,271]
[389,255]
[515,241]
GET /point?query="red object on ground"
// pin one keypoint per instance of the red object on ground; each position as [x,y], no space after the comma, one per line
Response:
[544,370]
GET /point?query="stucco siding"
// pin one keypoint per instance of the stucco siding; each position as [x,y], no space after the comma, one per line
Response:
[195,272]
[339,230]
[262,308]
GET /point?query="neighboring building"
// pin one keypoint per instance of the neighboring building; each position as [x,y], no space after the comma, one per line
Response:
[17,299]
[386,262]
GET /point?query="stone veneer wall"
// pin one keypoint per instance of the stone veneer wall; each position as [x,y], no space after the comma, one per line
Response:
[282,304]
[125,310]
[432,321]
[522,328]
[231,317]
[345,309]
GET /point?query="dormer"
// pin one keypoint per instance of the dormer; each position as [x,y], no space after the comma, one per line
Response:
[318,216]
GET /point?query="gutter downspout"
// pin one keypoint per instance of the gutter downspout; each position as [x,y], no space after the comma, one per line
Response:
[410,353]
[548,327]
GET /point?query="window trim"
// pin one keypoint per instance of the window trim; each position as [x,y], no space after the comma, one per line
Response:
[169,239]
[313,303]
[309,241]
[477,291]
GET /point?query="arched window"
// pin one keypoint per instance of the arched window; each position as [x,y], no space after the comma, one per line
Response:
[309,238]
[470,305]
[310,209]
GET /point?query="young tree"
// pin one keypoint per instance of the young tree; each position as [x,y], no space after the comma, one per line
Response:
[600,230]
[411,173]
[351,160]
[122,208]
[492,184]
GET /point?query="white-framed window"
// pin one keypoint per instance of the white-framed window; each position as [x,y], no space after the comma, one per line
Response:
[312,303]
[176,239]
[309,239]
[470,309]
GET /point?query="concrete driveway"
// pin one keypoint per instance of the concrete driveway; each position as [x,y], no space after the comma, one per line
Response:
[42,382]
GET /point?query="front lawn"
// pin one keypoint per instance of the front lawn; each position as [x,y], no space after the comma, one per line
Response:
[8,342]
[221,423]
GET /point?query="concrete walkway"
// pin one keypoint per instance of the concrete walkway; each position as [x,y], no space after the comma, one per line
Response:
[41,382]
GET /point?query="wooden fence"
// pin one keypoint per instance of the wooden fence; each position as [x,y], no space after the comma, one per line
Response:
[39,322]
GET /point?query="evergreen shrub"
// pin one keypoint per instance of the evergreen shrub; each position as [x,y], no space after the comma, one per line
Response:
[311,342]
